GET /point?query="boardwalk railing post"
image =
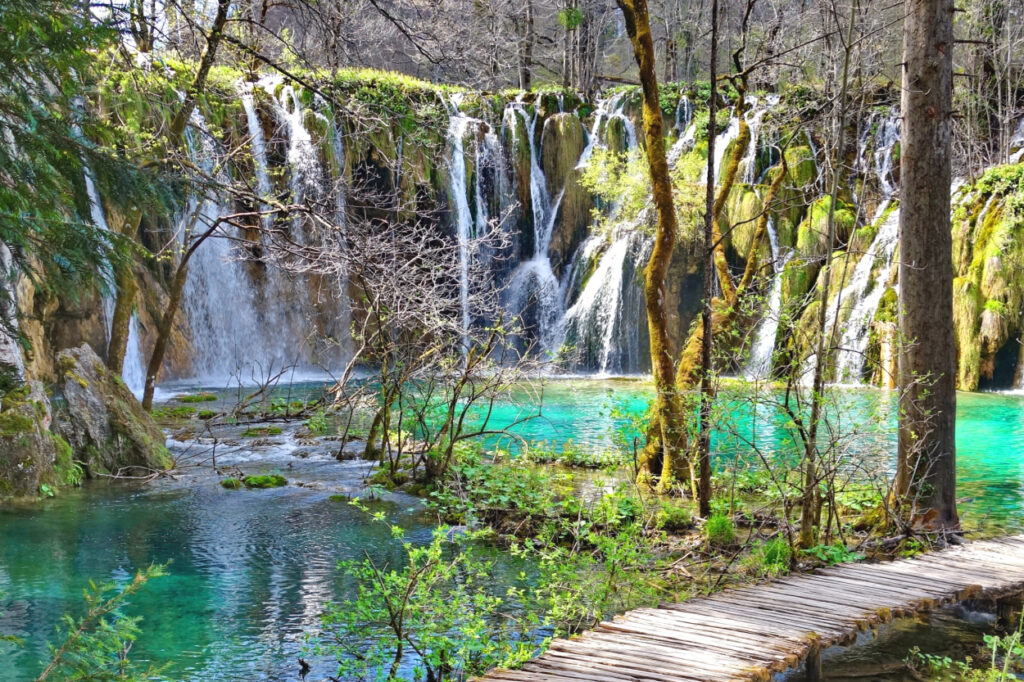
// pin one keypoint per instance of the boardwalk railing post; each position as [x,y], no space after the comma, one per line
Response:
[813,664]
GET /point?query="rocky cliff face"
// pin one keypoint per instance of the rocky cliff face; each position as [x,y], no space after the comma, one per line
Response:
[389,152]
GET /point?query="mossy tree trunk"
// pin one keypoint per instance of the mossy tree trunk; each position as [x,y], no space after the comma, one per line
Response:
[120,325]
[720,310]
[663,459]
[926,469]
[176,130]
[163,334]
[702,478]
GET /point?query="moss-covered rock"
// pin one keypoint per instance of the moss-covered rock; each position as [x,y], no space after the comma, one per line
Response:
[31,456]
[265,481]
[562,143]
[101,419]
[812,234]
[261,431]
[988,258]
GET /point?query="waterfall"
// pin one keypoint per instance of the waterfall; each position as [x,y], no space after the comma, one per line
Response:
[99,219]
[133,372]
[613,108]
[684,114]
[259,150]
[533,283]
[886,137]
[219,302]
[458,126]
[754,118]
[604,325]
[759,365]
[865,289]
[303,162]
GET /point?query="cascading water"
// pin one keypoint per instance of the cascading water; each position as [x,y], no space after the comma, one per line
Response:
[762,349]
[754,119]
[132,373]
[866,287]
[604,326]
[303,162]
[218,299]
[259,149]
[886,137]
[458,127]
[533,284]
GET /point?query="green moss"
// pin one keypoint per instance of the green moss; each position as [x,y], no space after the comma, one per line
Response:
[673,517]
[207,414]
[261,431]
[12,423]
[995,306]
[66,471]
[888,307]
[265,481]
[339,498]
[812,234]
[196,398]
[231,484]
[173,413]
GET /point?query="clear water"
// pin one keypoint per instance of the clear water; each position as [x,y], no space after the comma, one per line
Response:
[251,570]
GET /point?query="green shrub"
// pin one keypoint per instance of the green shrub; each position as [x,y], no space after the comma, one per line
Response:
[673,517]
[833,554]
[719,530]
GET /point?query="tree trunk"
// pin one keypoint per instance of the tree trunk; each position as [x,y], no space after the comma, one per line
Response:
[668,410]
[163,334]
[702,483]
[526,49]
[177,127]
[926,470]
[121,322]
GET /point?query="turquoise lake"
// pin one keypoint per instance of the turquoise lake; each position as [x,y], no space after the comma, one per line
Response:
[251,570]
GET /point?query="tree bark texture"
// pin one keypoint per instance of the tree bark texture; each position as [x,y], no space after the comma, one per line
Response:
[926,472]
[668,410]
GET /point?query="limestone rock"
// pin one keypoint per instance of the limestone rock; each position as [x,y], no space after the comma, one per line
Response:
[561,144]
[102,420]
[30,455]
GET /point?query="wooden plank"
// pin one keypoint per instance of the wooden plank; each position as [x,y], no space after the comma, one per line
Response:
[751,633]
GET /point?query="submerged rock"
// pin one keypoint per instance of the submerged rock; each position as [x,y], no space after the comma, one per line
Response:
[101,419]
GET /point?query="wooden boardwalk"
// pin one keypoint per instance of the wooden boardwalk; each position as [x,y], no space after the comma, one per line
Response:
[751,633]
